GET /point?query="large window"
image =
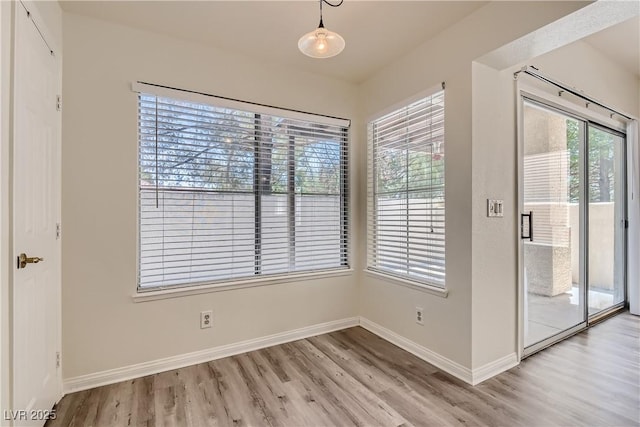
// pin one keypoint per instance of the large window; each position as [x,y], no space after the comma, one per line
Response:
[406,192]
[236,193]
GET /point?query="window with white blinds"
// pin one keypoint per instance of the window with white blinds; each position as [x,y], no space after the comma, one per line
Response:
[231,193]
[406,221]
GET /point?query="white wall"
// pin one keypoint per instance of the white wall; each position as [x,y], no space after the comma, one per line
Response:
[495,175]
[448,57]
[494,311]
[102,327]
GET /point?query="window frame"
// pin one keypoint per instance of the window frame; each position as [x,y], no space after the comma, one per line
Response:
[147,293]
[375,271]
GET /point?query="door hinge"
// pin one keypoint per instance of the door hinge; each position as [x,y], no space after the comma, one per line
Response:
[58,103]
[57,359]
[58,231]
[626,223]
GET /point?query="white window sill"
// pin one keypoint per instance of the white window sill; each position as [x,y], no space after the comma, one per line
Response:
[433,290]
[177,292]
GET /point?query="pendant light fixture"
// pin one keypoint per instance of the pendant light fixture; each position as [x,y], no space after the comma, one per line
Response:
[322,43]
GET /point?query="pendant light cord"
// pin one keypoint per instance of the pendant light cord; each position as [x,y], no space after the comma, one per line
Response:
[330,4]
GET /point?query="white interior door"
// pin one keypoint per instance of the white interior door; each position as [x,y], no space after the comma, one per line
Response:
[36,204]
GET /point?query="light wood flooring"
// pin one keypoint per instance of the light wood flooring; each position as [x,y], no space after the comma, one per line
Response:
[352,377]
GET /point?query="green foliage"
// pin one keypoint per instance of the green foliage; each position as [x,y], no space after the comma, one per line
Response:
[188,145]
[601,156]
[399,170]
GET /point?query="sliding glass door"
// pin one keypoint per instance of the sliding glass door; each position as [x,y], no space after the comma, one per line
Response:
[572,222]
[606,219]
[554,281]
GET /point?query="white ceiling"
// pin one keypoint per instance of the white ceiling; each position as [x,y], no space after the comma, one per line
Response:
[621,43]
[376,32]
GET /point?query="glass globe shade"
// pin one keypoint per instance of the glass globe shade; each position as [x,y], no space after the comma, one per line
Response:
[321,43]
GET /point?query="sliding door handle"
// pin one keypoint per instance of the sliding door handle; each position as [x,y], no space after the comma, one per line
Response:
[529,229]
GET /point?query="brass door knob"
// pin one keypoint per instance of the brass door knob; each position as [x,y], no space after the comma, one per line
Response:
[23,260]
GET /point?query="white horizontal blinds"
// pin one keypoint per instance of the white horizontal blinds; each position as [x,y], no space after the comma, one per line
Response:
[551,211]
[406,224]
[302,190]
[228,194]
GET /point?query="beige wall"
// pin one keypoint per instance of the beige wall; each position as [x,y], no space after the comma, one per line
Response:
[448,57]
[102,327]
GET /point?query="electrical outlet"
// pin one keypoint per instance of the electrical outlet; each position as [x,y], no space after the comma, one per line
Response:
[206,318]
[419,315]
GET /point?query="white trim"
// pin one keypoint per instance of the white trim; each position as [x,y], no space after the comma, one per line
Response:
[223,102]
[422,287]
[124,373]
[494,368]
[473,377]
[519,125]
[6,202]
[423,353]
[633,212]
[176,292]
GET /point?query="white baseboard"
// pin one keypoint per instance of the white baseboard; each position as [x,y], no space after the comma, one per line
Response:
[467,375]
[124,373]
[494,368]
[423,353]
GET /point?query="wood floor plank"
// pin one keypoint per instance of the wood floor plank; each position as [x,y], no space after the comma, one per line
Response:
[369,375]
[323,385]
[210,397]
[197,409]
[409,373]
[226,410]
[263,396]
[142,412]
[268,385]
[250,408]
[312,411]
[522,397]
[86,415]
[354,378]
[71,408]
[318,401]
[370,402]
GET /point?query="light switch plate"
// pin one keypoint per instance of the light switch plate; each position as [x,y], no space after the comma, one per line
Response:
[495,208]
